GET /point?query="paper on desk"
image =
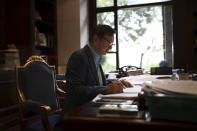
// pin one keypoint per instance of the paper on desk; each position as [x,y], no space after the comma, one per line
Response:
[140,79]
[134,89]
[128,93]
[181,86]
[125,96]
[100,101]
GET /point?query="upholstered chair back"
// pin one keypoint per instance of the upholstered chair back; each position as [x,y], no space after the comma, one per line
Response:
[37,82]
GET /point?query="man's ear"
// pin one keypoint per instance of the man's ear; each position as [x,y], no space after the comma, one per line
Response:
[95,39]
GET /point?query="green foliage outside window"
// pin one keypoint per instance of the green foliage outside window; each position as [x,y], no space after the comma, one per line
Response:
[135,33]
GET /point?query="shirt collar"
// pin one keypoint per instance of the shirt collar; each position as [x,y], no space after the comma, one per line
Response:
[97,58]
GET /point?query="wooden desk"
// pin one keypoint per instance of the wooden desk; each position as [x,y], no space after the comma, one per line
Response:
[86,118]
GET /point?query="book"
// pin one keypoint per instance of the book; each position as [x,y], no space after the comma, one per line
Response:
[121,109]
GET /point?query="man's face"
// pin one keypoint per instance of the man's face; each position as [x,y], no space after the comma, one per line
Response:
[104,45]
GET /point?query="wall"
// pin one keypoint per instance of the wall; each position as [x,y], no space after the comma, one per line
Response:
[182,35]
[72,22]
[2,25]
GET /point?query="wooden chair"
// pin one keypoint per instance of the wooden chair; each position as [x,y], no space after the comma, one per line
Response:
[37,88]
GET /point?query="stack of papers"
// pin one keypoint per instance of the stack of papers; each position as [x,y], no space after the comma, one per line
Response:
[171,87]
[140,79]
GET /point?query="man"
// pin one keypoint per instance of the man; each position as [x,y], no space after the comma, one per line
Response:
[85,78]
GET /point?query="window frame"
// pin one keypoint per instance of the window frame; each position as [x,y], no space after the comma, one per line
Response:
[93,18]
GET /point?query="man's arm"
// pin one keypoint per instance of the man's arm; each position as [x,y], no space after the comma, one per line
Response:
[80,78]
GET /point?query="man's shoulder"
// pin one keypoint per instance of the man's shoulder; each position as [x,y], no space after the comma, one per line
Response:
[80,56]
[81,52]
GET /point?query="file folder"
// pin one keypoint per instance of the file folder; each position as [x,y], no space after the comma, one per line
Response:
[175,107]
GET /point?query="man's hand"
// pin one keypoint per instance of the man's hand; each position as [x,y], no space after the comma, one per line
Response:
[126,83]
[115,87]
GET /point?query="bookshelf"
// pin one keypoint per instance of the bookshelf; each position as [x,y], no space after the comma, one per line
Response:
[194,14]
[194,34]
[44,30]
[31,26]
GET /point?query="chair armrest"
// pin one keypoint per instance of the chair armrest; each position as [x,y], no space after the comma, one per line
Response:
[59,90]
[60,96]
[33,111]
[32,108]
[44,117]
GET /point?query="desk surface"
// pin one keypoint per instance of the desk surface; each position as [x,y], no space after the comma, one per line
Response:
[88,118]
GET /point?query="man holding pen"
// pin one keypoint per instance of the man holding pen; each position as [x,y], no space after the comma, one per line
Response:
[84,77]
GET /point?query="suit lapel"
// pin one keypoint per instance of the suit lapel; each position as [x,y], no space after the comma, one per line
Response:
[91,63]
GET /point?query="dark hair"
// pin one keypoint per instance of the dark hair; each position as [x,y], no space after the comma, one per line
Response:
[101,31]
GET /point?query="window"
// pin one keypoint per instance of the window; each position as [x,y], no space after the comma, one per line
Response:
[143,32]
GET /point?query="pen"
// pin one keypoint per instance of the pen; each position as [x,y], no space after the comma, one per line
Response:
[123,85]
[102,100]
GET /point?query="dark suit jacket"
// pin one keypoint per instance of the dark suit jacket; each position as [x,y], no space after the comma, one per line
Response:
[82,83]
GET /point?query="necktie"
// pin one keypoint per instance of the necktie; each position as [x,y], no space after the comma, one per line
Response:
[99,72]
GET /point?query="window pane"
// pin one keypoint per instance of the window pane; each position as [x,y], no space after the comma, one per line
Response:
[109,62]
[104,3]
[141,36]
[106,18]
[135,2]
[114,45]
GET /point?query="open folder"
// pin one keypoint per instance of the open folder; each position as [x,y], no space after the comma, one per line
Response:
[127,97]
